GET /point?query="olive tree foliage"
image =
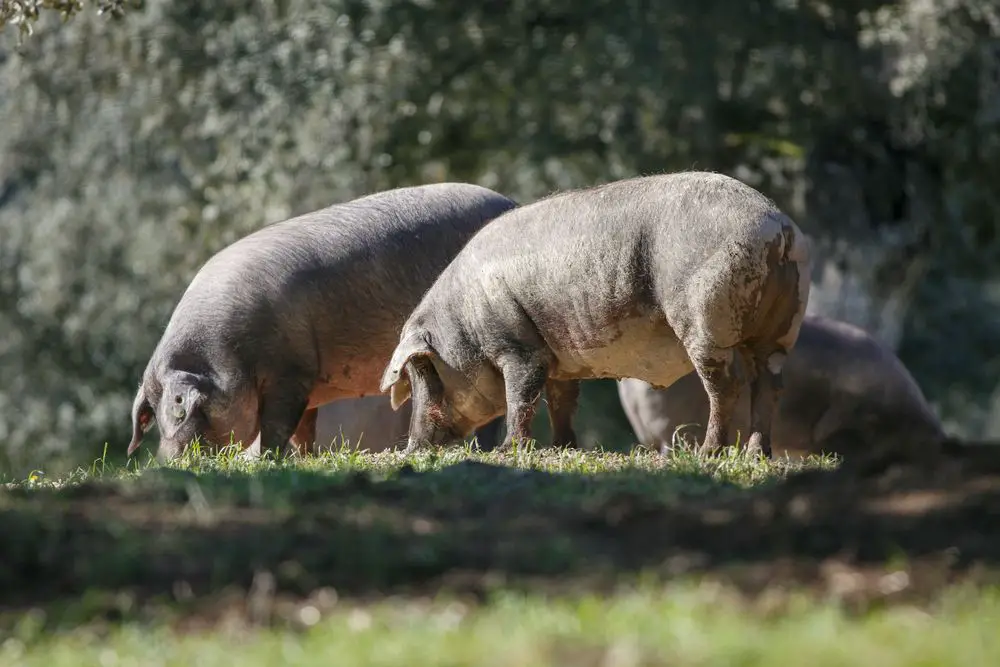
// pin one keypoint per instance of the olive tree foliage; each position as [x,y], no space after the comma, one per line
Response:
[134,149]
[944,76]
[23,14]
[899,180]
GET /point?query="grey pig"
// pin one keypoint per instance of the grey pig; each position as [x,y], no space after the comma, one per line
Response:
[300,313]
[648,277]
[840,383]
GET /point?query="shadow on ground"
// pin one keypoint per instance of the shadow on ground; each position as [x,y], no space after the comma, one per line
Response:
[170,538]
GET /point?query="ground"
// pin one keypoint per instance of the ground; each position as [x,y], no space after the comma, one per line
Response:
[537,557]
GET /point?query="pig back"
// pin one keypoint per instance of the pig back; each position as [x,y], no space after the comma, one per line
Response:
[580,262]
[384,249]
[330,288]
[842,381]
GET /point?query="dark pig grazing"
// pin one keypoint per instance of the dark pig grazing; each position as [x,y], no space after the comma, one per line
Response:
[370,423]
[840,386]
[647,277]
[300,313]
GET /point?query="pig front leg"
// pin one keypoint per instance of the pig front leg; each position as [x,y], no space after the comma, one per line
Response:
[282,408]
[765,391]
[562,397]
[524,378]
[304,438]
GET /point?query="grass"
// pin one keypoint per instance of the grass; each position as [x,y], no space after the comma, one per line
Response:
[455,557]
[677,626]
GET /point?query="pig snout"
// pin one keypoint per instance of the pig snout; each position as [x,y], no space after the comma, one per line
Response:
[170,450]
[438,438]
[430,425]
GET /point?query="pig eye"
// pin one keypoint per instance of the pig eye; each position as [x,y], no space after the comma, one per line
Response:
[178,399]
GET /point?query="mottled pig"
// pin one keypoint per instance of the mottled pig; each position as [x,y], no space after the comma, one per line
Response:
[840,387]
[300,313]
[648,277]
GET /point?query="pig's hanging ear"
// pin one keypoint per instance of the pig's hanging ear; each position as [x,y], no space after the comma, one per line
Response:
[394,377]
[142,419]
[400,392]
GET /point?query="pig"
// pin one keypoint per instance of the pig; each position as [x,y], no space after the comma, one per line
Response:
[371,423]
[647,277]
[300,313]
[838,383]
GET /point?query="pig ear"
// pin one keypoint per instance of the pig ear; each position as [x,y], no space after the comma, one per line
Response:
[400,392]
[413,345]
[142,420]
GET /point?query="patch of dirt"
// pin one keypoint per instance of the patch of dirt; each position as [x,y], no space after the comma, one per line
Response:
[871,535]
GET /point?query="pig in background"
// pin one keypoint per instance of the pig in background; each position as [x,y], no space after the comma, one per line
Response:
[648,277]
[362,423]
[843,390]
[298,314]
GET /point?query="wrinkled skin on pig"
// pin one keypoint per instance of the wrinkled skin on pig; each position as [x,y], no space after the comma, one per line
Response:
[298,314]
[648,277]
[841,388]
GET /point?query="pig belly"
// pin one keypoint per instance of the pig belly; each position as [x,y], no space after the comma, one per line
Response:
[347,378]
[637,348]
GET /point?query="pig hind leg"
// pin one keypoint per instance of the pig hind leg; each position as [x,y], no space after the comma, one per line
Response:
[721,375]
[524,378]
[717,301]
[562,397]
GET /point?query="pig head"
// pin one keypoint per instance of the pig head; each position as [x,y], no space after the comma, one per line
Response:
[188,406]
[449,407]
